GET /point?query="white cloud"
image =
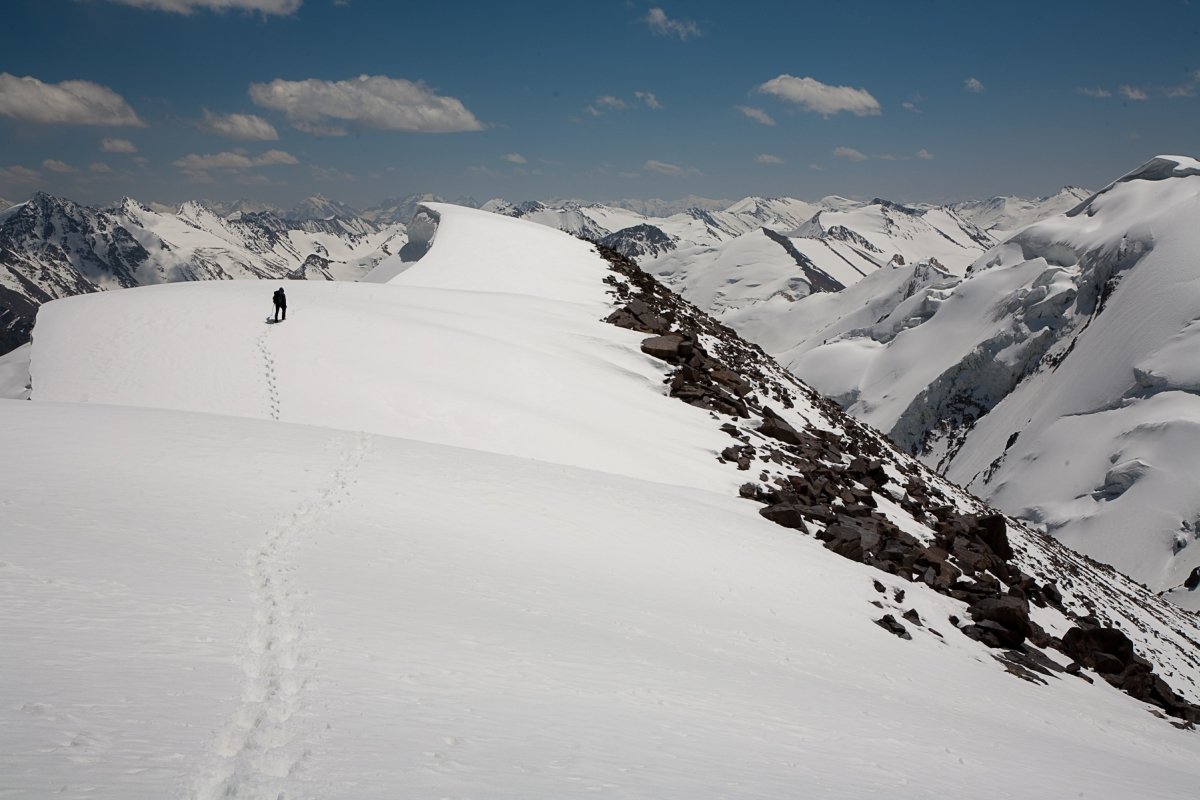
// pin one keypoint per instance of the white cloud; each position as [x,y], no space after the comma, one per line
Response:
[1098,92]
[99,168]
[234,160]
[608,102]
[662,25]
[373,101]
[118,146]
[247,127]
[812,95]
[330,174]
[54,165]
[974,85]
[648,99]
[849,153]
[756,114]
[514,158]
[674,170]
[18,174]
[924,155]
[909,105]
[188,6]
[767,158]
[66,103]
[1186,90]
[1133,93]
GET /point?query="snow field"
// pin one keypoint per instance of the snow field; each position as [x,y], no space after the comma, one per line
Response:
[493,560]
[285,609]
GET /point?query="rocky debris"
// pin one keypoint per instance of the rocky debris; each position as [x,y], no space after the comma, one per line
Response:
[1000,621]
[1110,653]
[835,485]
[889,624]
[668,347]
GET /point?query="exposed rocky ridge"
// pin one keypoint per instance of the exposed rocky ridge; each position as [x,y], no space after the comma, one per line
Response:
[639,240]
[1047,612]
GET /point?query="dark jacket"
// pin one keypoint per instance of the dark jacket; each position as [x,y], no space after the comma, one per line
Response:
[280,298]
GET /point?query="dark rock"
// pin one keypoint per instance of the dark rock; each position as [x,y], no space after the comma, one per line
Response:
[889,624]
[1093,646]
[1010,613]
[777,428]
[785,514]
[667,347]
[912,616]
[993,532]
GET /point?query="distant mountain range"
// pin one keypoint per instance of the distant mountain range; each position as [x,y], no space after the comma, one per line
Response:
[52,247]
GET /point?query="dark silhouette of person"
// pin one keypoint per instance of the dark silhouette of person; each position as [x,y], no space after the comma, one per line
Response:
[1193,580]
[280,303]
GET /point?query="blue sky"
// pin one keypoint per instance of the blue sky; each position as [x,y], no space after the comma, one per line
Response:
[360,100]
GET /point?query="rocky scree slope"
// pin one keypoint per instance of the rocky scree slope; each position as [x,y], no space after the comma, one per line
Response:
[1046,613]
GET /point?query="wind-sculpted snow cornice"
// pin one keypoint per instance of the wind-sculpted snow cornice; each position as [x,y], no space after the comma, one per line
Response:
[1159,168]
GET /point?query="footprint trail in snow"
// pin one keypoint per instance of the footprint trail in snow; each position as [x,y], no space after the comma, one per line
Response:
[260,746]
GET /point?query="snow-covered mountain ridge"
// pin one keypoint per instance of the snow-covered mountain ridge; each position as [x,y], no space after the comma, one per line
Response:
[1055,379]
[504,552]
[52,248]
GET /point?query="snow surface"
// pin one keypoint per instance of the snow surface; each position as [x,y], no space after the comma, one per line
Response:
[1075,340]
[226,604]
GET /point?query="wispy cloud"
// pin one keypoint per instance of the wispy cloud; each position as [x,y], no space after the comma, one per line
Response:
[609,102]
[673,170]
[824,99]
[756,114]
[54,165]
[767,158]
[330,174]
[19,174]
[247,127]
[1133,93]
[924,155]
[67,103]
[1098,92]
[662,25]
[118,146]
[234,160]
[974,85]
[514,158]
[282,7]
[372,101]
[99,168]
[849,153]
[648,100]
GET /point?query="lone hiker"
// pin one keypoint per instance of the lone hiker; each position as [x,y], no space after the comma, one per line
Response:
[280,303]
